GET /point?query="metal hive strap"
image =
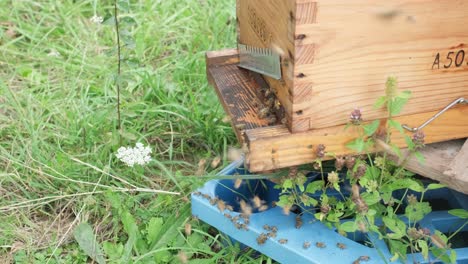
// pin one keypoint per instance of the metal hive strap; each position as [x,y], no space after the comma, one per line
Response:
[453,104]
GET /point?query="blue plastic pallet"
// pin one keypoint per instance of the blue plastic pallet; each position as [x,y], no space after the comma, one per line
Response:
[312,231]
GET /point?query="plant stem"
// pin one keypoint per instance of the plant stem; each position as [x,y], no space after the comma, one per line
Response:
[119,68]
[458,230]
[402,198]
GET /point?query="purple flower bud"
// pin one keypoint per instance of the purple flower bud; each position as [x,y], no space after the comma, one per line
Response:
[418,138]
[356,116]
[320,151]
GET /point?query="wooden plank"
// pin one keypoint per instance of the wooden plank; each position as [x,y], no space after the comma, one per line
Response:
[275,147]
[222,57]
[343,51]
[458,169]
[238,91]
[439,164]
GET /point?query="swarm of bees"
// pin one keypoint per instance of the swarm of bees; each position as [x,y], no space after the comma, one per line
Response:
[272,109]
[272,230]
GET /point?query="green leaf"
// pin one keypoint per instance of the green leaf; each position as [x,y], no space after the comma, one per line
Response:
[371,198]
[453,256]
[406,183]
[370,129]
[398,249]
[86,238]
[397,151]
[405,95]
[349,227]
[395,225]
[397,105]
[463,214]
[288,184]
[357,145]
[409,142]
[131,228]
[396,125]
[441,254]
[380,102]
[424,248]
[153,229]
[416,212]
[435,186]
[314,186]
[113,251]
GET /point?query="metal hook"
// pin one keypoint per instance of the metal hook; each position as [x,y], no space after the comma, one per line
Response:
[454,103]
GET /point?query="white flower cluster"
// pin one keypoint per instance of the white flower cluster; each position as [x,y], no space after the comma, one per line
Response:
[97,19]
[138,155]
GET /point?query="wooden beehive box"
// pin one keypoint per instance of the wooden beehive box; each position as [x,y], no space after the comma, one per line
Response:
[336,55]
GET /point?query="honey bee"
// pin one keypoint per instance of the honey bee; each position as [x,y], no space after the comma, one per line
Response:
[306,245]
[228,216]
[206,196]
[240,126]
[213,201]
[364,258]
[245,227]
[341,245]
[274,229]
[235,218]
[263,208]
[298,222]
[277,104]
[237,183]
[271,102]
[266,227]
[262,239]
[215,163]
[271,234]
[245,208]
[284,121]
[197,193]
[257,201]
[272,120]
[221,205]
[264,112]
[320,245]
[229,208]
[268,92]
[188,229]
[283,241]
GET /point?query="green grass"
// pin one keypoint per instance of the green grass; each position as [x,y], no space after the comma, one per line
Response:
[58,131]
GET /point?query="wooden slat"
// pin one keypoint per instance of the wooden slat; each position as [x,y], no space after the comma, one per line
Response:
[439,163]
[274,147]
[339,54]
[237,90]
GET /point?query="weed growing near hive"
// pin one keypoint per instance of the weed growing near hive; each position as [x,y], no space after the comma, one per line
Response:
[367,190]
